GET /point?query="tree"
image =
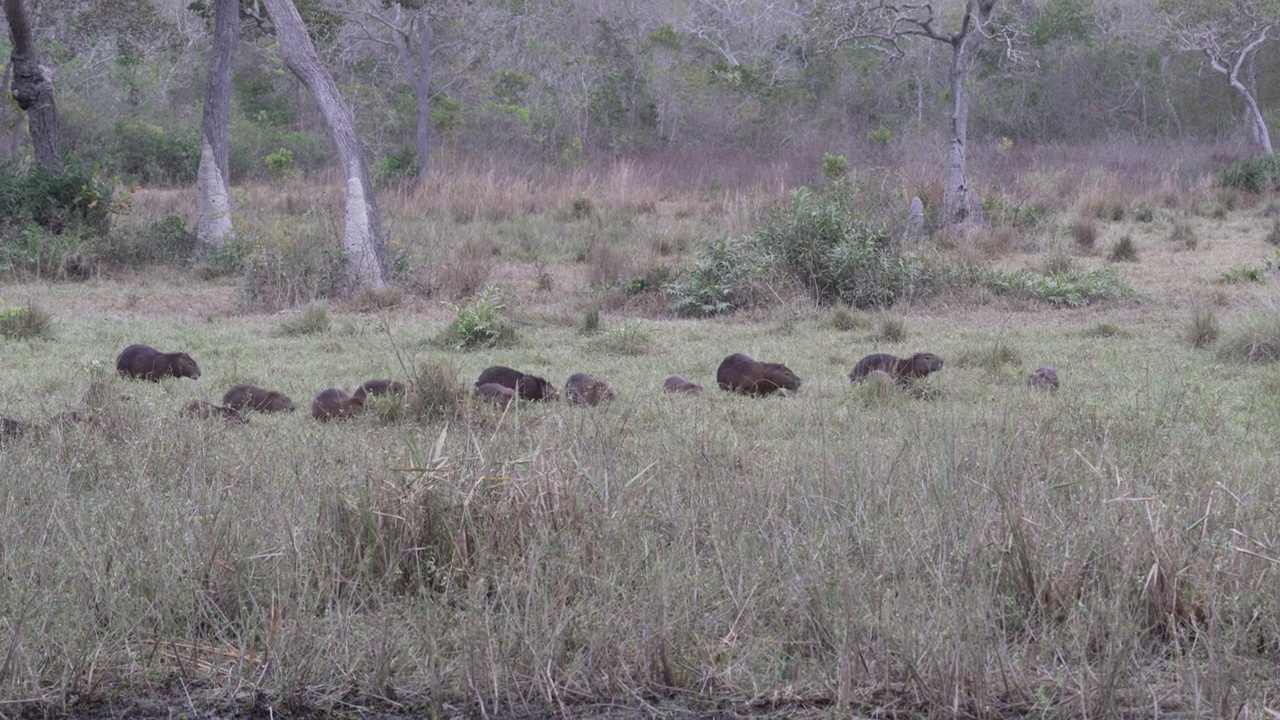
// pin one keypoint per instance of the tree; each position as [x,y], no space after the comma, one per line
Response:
[33,86]
[213,184]
[362,234]
[888,23]
[1228,32]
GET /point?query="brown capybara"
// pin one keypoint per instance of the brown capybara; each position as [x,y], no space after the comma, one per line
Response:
[12,429]
[903,370]
[1044,378]
[585,389]
[378,387]
[495,393]
[208,411]
[335,404]
[142,362]
[740,373]
[528,387]
[252,397]
[677,384]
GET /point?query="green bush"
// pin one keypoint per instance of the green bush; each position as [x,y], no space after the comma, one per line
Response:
[167,240]
[1253,174]
[37,252]
[288,263]
[726,276]
[155,154]
[1074,288]
[836,253]
[54,199]
[481,323]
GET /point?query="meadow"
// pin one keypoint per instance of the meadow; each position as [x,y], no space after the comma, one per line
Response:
[976,548]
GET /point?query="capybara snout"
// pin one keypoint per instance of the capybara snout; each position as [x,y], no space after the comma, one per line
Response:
[143,362]
[740,373]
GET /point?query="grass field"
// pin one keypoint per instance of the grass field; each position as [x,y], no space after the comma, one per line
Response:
[980,549]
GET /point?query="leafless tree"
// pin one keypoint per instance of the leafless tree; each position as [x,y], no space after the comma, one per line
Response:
[213,185]
[33,86]
[1228,32]
[362,235]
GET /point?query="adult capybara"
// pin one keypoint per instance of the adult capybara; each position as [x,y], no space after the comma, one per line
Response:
[142,362]
[903,370]
[585,389]
[208,411]
[252,397]
[677,384]
[528,387]
[378,387]
[335,404]
[1044,378]
[495,393]
[740,373]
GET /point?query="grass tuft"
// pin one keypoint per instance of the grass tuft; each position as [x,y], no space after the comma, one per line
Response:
[1254,339]
[893,328]
[632,338]
[1202,329]
[1124,250]
[25,323]
[312,320]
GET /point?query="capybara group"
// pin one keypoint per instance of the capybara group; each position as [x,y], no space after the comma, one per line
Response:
[1044,378]
[378,387]
[677,384]
[528,387]
[203,410]
[585,389]
[142,362]
[495,393]
[903,370]
[252,397]
[740,373]
[335,404]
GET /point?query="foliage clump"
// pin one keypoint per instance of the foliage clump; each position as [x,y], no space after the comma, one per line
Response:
[1255,175]
[1256,339]
[481,323]
[25,323]
[1073,288]
[727,275]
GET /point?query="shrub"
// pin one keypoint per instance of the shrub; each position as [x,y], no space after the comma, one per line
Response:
[1255,175]
[844,320]
[289,263]
[25,323]
[54,199]
[1256,339]
[164,241]
[39,252]
[834,167]
[481,323]
[726,276]
[837,254]
[1202,329]
[1074,288]
[155,154]
[591,320]
[313,319]
[1124,250]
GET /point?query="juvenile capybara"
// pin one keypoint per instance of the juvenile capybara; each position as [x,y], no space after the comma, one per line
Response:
[740,373]
[585,389]
[1044,378]
[495,393]
[12,429]
[528,387]
[252,397]
[677,384]
[378,387]
[903,370]
[142,362]
[335,404]
[208,411]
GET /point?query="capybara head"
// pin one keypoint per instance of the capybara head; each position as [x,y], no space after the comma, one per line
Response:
[495,393]
[741,373]
[532,387]
[922,364]
[677,384]
[335,404]
[585,389]
[183,365]
[378,387]
[1044,378]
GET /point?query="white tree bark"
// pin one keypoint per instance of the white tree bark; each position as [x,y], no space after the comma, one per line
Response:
[362,235]
[213,182]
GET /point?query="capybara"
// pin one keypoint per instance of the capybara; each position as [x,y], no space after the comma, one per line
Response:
[903,370]
[142,362]
[585,389]
[378,387]
[10,428]
[335,404]
[252,397]
[495,393]
[740,373]
[677,384]
[208,411]
[1044,378]
[528,387]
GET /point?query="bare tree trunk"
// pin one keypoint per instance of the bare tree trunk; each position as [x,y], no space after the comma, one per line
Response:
[362,236]
[213,182]
[422,90]
[33,87]
[959,204]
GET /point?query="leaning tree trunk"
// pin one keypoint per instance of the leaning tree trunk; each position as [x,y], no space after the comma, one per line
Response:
[422,90]
[33,86]
[959,204]
[362,236]
[213,183]
[1257,122]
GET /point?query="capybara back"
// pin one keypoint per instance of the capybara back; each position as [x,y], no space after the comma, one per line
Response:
[377,388]
[143,362]
[903,370]
[528,387]
[585,389]
[740,373]
[1044,378]
[495,393]
[335,404]
[252,397]
[677,384]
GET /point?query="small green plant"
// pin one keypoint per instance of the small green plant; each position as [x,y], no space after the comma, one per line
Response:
[1144,212]
[880,136]
[25,323]
[633,338]
[591,320]
[313,319]
[279,163]
[1251,273]
[726,276]
[834,167]
[1058,262]
[1124,250]
[1074,288]
[893,328]
[582,208]
[481,323]
[1105,330]
[1202,328]
[1256,175]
